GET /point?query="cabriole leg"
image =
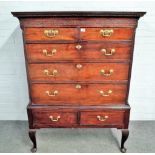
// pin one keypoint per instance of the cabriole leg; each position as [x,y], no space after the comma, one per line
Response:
[125,134]
[32,135]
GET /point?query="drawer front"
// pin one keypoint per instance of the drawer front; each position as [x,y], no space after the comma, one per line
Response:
[71,34]
[75,94]
[55,118]
[43,34]
[78,71]
[102,118]
[105,34]
[68,52]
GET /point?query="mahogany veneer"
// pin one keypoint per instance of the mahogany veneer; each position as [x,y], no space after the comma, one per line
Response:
[113,117]
[88,94]
[33,34]
[88,52]
[78,69]
[69,72]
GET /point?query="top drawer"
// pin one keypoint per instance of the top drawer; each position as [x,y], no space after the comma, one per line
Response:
[77,34]
[106,34]
[49,34]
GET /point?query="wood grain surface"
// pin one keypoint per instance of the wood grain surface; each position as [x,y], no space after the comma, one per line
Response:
[38,34]
[69,72]
[68,94]
[69,52]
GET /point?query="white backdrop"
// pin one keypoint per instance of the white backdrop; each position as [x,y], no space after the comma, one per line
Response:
[13,84]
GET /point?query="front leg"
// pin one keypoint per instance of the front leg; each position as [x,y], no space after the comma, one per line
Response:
[32,135]
[125,134]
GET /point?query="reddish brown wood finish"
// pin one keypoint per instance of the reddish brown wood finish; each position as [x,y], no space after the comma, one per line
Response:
[68,94]
[118,34]
[78,117]
[79,14]
[43,117]
[80,22]
[69,72]
[78,107]
[37,34]
[77,110]
[91,118]
[68,52]
[33,34]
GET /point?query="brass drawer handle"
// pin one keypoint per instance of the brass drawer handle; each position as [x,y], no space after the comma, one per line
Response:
[78,86]
[78,47]
[102,71]
[104,51]
[102,93]
[55,93]
[106,32]
[51,33]
[102,118]
[54,119]
[52,73]
[49,54]
[78,66]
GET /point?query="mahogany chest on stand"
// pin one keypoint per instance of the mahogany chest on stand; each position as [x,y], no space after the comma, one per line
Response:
[78,69]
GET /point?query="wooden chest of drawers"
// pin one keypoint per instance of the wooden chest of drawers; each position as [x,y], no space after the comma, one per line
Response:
[78,68]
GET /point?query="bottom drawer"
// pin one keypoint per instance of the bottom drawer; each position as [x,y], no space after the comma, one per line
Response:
[56,118]
[102,118]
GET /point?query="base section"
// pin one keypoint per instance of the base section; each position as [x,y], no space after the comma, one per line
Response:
[78,117]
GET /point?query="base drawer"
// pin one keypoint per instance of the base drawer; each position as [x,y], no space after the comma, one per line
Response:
[55,118]
[108,117]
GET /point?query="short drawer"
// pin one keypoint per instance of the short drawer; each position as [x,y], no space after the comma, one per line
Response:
[43,34]
[78,71]
[105,34]
[56,118]
[113,117]
[82,51]
[78,94]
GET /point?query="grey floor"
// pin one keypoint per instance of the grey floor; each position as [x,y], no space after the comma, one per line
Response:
[14,138]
